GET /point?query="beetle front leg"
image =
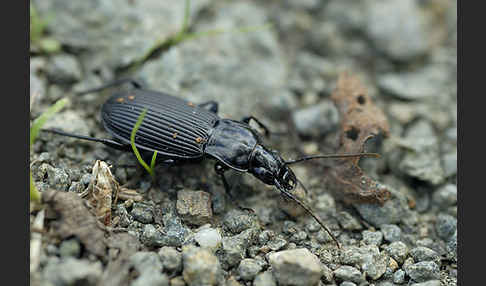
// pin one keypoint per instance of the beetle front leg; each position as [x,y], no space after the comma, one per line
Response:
[247,120]
[220,169]
[211,105]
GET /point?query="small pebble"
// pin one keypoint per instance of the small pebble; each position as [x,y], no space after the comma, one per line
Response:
[348,273]
[142,213]
[71,271]
[208,238]
[428,283]
[398,251]
[295,267]
[237,221]
[348,222]
[248,269]
[265,279]
[391,232]
[399,276]
[372,237]
[445,226]
[200,266]
[194,207]
[445,196]
[423,271]
[171,259]
[421,253]
[70,247]
[63,69]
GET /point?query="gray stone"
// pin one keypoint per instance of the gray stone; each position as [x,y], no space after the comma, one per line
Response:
[240,72]
[234,248]
[70,247]
[428,283]
[237,221]
[37,83]
[347,283]
[425,83]
[265,279]
[445,226]
[201,267]
[397,28]
[71,271]
[151,279]
[348,273]
[348,222]
[368,258]
[423,271]
[69,121]
[421,159]
[316,120]
[194,207]
[146,261]
[450,163]
[399,276]
[171,259]
[172,234]
[248,269]
[391,232]
[372,237]
[295,267]
[94,26]
[58,179]
[398,251]
[445,196]
[208,237]
[63,69]
[149,267]
[451,247]
[276,243]
[421,253]
[142,213]
[391,212]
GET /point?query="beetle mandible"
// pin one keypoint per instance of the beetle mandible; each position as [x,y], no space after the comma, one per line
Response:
[180,130]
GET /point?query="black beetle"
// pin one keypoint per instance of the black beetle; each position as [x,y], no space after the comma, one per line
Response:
[180,130]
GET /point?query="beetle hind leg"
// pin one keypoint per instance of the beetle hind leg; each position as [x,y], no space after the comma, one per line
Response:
[135,83]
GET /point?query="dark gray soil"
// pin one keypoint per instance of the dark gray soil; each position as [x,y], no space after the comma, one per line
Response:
[185,231]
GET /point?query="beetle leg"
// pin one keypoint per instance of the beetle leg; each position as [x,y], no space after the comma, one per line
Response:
[107,142]
[220,169]
[135,83]
[247,120]
[210,105]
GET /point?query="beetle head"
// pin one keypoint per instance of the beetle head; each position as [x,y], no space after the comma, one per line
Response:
[271,169]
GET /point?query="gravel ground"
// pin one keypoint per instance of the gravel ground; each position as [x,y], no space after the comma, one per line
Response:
[180,229]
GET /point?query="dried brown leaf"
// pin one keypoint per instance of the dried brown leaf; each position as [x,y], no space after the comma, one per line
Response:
[101,190]
[75,219]
[360,121]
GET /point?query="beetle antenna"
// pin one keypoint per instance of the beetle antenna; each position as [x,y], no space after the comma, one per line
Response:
[333,156]
[107,142]
[307,209]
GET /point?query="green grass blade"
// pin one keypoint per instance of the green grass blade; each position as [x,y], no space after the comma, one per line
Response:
[135,150]
[152,164]
[35,196]
[215,32]
[37,124]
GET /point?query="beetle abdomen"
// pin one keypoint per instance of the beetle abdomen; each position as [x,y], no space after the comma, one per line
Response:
[172,126]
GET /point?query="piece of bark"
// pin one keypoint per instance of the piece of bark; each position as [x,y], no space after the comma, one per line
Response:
[360,121]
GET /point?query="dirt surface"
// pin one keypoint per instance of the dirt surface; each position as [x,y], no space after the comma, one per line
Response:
[324,77]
